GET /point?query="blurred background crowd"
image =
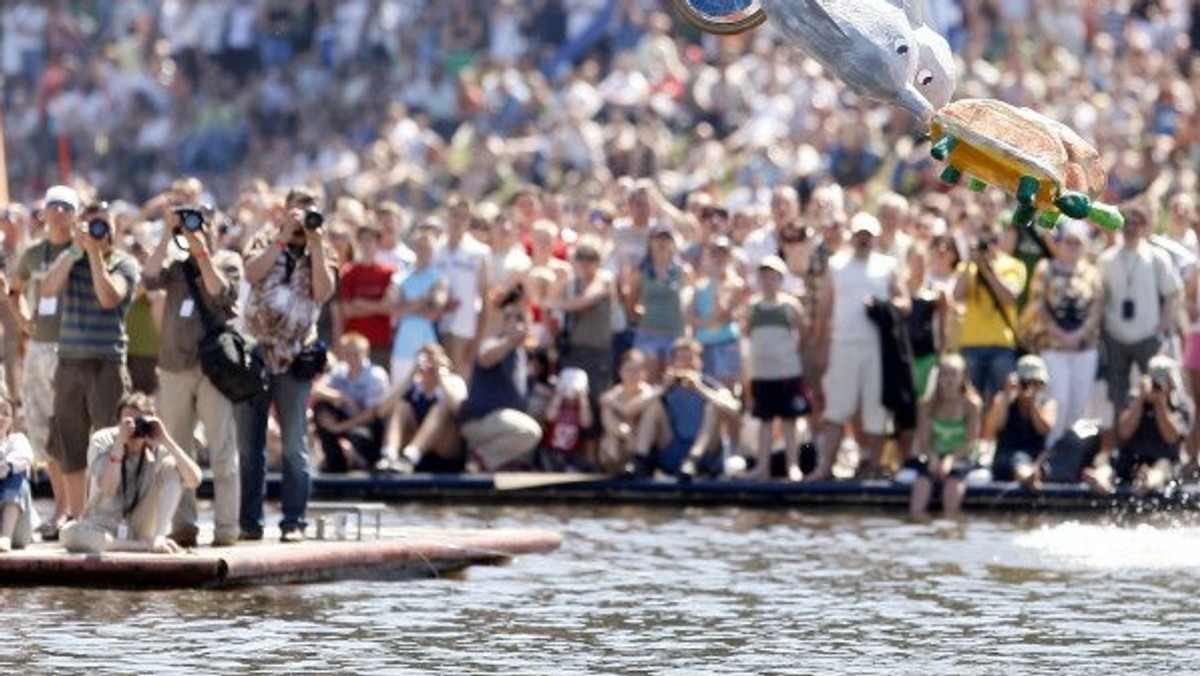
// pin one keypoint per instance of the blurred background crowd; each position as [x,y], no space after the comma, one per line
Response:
[547,127]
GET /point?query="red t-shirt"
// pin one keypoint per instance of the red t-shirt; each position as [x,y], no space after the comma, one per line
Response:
[368,281]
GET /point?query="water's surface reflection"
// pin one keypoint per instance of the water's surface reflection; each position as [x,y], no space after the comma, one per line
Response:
[678,591]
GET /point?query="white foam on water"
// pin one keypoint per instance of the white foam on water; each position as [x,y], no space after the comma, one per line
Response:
[1107,547]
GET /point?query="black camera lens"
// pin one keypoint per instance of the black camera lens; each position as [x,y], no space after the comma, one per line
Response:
[313,219]
[99,228]
[142,428]
[191,219]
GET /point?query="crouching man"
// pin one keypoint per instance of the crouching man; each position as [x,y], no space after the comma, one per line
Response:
[679,433]
[136,474]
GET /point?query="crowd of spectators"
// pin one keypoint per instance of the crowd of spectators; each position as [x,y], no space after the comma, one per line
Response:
[580,235]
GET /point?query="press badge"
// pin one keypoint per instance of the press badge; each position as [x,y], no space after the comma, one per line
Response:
[187,308]
[48,306]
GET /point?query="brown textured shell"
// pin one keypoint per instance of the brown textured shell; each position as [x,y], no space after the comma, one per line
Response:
[1026,142]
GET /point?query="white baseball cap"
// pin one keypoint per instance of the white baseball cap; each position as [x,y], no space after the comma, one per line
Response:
[64,195]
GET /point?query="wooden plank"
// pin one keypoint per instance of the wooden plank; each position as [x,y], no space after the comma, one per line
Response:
[407,554]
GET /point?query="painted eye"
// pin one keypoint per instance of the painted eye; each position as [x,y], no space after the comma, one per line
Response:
[902,48]
[924,77]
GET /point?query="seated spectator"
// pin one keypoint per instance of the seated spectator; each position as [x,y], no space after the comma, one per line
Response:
[1077,457]
[621,408]
[569,417]
[422,412]
[678,431]
[947,428]
[498,432]
[1152,427]
[16,459]
[136,474]
[1020,418]
[345,405]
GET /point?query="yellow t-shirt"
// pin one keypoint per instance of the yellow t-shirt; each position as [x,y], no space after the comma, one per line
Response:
[983,325]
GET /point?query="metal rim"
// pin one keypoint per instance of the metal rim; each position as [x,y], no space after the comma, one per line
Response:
[707,25]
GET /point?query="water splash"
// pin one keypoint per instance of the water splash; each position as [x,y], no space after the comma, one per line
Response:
[1107,547]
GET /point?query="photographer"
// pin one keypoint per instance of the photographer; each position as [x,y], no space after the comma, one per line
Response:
[1152,427]
[186,250]
[988,287]
[492,418]
[292,273]
[678,432]
[1019,419]
[1140,286]
[94,283]
[136,473]
[42,318]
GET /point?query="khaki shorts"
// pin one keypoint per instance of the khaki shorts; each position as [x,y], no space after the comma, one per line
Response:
[854,381]
[41,362]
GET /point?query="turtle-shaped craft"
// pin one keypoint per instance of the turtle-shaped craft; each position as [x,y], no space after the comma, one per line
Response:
[1045,164]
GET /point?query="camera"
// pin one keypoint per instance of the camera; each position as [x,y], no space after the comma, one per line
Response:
[142,427]
[313,219]
[190,219]
[99,228]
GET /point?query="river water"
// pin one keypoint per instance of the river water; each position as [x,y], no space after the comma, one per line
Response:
[678,591]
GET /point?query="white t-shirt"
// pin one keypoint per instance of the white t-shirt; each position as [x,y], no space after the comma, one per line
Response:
[854,280]
[462,266]
[1142,277]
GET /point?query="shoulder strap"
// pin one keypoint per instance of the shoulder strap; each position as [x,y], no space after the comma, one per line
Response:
[190,273]
[995,300]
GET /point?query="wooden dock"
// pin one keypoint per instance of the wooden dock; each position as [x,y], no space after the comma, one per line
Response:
[403,554]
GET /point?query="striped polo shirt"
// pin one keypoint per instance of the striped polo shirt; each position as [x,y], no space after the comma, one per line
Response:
[89,331]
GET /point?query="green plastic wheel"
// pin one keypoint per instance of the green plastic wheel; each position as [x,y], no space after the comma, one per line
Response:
[976,185]
[1074,204]
[942,147]
[1026,190]
[1106,216]
[951,175]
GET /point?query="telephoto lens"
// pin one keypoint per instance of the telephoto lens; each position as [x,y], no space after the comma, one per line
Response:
[313,219]
[98,228]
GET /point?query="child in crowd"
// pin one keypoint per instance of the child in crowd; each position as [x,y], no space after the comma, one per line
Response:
[621,408]
[568,416]
[777,389]
[418,299]
[422,411]
[947,429]
[16,459]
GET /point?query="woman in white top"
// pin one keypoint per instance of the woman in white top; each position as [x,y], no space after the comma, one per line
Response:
[16,460]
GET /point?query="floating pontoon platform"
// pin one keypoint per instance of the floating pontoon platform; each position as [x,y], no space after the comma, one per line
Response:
[402,554]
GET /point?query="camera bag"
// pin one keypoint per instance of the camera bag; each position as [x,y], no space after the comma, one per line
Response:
[226,358]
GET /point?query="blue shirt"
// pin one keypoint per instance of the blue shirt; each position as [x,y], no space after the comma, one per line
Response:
[366,390]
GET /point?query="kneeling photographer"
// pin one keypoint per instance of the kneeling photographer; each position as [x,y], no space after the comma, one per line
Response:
[136,473]
[201,286]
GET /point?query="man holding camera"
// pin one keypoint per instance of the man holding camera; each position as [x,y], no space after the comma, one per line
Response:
[41,352]
[679,432]
[185,394]
[292,274]
[1140,288]
[136,473]
[95,282]
[988,287]
[494,423]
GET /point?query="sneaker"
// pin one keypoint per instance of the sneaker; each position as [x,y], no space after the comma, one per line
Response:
[226,540]
[292,535]
[5,544]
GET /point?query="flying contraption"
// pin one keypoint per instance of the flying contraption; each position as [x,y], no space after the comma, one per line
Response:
[889,51]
